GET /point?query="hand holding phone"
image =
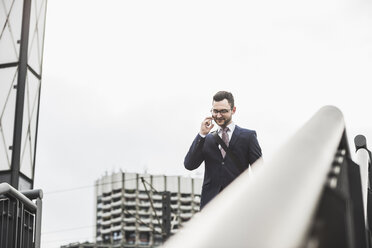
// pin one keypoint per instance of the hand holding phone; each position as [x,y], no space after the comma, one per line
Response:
[206,125]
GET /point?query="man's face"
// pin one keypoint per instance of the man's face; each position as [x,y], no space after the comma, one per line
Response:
[222,112]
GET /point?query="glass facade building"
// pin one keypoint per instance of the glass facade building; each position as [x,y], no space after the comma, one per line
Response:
[22,27]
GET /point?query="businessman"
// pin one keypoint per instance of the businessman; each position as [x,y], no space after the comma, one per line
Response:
[221,167]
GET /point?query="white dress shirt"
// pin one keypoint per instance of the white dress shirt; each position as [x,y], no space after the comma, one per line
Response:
[231,127]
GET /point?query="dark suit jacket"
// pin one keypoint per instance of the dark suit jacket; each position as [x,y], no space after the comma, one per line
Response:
[219,171]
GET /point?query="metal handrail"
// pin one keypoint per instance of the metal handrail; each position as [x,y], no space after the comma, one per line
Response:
[5,188]
[33,194]
[274,207]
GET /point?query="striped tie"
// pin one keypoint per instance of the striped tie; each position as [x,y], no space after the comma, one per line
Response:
[225,138]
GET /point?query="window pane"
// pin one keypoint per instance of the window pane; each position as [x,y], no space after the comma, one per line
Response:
[11,20]
[8,78]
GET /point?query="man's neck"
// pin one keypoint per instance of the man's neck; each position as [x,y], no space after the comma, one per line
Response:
[224,126]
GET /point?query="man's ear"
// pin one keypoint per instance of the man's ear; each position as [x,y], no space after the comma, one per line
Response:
[233,110]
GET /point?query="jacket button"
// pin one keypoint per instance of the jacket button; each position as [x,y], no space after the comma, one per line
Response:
[223,163]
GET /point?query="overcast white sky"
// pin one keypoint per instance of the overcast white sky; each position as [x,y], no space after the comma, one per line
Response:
[126,85]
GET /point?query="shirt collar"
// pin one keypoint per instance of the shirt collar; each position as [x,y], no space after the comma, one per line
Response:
[231,127]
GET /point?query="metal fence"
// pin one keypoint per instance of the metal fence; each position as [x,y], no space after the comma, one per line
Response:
[20,220]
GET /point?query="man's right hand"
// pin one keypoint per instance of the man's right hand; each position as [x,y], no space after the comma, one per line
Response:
[206,126]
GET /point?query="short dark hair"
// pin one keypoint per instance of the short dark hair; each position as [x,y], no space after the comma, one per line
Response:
[220,95]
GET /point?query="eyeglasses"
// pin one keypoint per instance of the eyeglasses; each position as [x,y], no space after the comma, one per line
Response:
[222,111]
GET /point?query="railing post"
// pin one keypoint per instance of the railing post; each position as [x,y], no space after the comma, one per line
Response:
[39,205]
[36,195]
[363,160]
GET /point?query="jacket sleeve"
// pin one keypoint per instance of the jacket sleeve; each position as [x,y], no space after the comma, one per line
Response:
[254,148]
[195,157]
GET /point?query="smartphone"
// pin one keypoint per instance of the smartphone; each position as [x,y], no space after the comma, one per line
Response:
[211,122]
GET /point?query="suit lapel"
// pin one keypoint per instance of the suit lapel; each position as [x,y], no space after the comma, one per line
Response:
[217,148]
[235,135]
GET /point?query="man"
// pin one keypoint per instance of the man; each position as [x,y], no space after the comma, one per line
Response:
[221,168]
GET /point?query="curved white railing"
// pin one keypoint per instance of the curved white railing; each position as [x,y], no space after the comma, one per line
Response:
[275,207]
